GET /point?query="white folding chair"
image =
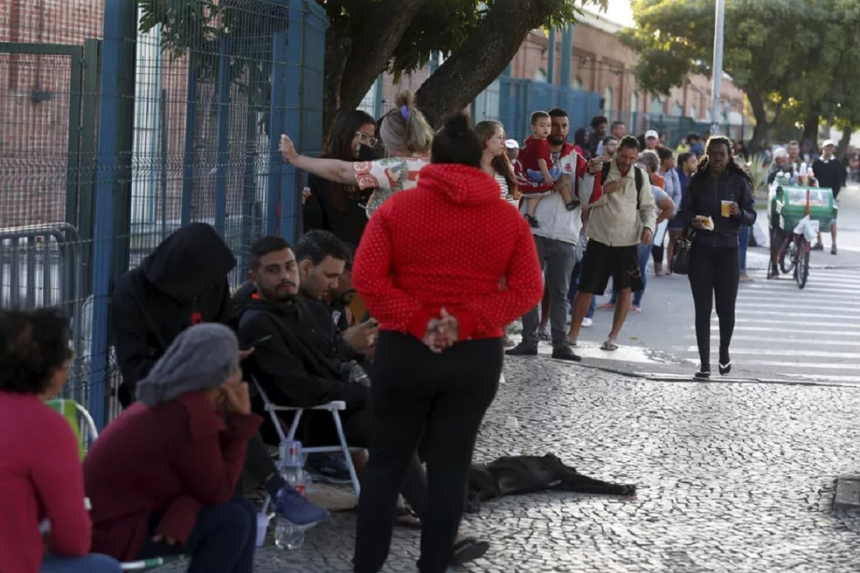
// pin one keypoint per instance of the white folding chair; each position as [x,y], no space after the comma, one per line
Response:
[335,408]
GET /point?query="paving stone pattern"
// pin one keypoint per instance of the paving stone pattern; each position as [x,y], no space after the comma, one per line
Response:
[731,477]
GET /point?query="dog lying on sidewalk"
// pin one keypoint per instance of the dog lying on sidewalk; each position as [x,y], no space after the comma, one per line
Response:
[516,475]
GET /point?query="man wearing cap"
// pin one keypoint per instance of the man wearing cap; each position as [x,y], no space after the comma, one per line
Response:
[512,149]
[652,140]
[830,173]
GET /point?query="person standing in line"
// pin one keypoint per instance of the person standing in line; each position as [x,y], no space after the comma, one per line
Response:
[406,135]
[620,216]
[673,189]
[718,202]
[494,160]
[333,206]
[556,241]
[439,354]
[831,174]
[687,163]
[599,129]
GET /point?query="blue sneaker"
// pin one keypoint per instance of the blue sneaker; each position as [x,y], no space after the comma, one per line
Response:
[295,508]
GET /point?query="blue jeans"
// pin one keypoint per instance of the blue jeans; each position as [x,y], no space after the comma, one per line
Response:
[743,243]
[644,252]
[93,563]
[574,287]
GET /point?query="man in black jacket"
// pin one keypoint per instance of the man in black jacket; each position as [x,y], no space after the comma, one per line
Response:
[182,283]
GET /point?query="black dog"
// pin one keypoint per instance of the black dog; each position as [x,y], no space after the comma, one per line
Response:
[528,474]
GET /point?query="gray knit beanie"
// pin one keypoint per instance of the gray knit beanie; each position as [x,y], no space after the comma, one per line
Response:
[201,357]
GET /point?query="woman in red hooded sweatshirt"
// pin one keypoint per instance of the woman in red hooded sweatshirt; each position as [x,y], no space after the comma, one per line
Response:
[430,267]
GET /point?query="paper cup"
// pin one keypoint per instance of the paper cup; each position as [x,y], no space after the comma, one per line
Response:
[724,208]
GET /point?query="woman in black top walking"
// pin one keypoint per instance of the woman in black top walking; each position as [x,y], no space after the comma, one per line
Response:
[719,200]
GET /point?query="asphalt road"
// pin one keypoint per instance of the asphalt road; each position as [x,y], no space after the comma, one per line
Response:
[782,332]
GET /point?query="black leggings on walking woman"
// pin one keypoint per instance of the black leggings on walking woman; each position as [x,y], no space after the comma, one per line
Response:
[442,397]
[714,275]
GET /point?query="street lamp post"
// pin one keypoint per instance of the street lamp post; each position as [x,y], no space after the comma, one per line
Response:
[717,78]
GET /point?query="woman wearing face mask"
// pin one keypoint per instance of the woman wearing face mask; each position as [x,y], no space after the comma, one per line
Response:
[337,207]
[718,202]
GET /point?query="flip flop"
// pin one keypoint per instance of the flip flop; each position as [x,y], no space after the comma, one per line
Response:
[609,345]
[467,549]
[405,517]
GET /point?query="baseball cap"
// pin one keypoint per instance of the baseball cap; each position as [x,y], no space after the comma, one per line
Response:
[827,142]
[652,133]
[512,144]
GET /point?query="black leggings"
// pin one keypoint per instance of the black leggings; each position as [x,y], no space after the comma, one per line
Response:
[442,397]
[714,275]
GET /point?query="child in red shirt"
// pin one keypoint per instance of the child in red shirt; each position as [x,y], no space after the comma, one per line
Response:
[536,162]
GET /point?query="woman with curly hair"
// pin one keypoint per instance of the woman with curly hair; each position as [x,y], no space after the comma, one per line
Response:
[718,202]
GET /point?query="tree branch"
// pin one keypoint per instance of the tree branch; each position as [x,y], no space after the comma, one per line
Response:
[483,56]
[385,26]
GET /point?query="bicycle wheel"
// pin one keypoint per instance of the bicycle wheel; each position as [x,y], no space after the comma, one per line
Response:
[801,270]
[786,257]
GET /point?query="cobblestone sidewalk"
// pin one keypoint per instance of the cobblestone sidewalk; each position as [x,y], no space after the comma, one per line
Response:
[732,477]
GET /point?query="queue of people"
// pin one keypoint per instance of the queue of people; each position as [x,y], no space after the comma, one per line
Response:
[441,270]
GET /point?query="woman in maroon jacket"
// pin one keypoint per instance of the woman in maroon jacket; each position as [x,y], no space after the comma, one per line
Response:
[163,475]
[430,267]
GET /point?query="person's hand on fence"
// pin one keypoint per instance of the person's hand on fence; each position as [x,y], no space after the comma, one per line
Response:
[306,194]
[288,149]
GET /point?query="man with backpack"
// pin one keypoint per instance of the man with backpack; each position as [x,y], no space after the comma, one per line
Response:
[621,214]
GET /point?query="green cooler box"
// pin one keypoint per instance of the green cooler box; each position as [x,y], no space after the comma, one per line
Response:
[789,206]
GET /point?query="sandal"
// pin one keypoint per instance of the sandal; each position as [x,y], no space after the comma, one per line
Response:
[467,549]
[609,345]
[405,517]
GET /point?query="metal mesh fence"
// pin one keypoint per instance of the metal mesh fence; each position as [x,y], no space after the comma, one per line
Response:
[122,121]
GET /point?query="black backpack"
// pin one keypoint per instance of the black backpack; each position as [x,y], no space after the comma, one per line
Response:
[637,174]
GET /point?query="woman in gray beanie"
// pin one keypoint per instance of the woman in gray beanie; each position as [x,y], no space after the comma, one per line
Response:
[162,476]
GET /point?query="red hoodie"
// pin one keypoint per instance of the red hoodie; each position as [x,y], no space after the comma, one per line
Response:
[448,243]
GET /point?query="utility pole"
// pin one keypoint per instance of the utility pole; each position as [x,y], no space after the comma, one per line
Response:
[717,77]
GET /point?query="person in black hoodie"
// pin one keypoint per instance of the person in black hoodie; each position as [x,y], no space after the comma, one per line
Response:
[718,201]
[333,206]
[183,283]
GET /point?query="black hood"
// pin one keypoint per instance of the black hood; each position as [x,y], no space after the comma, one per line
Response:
[188,261]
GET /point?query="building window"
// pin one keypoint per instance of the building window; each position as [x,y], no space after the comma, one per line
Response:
[634,101]
[608,101]
[577,83]
[694,113]
[540,75]
[657,106]
[677,110]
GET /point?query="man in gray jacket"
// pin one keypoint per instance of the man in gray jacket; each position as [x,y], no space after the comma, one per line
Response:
[621,214]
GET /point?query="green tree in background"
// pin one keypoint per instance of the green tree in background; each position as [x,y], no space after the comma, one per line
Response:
[792,58]
[368,37]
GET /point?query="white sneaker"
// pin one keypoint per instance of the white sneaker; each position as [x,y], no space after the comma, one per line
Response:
[587,322]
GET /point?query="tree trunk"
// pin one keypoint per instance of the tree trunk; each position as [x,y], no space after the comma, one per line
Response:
[337,49]
[810,129]
[372,49]
[760,131]
[482,57]
[844,141]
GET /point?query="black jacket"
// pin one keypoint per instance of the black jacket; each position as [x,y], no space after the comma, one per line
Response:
[183,282]
[320,212]
[830,174]
[301,364]
[703,197]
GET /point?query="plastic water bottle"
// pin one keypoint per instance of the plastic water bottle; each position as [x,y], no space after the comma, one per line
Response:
[287,536]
